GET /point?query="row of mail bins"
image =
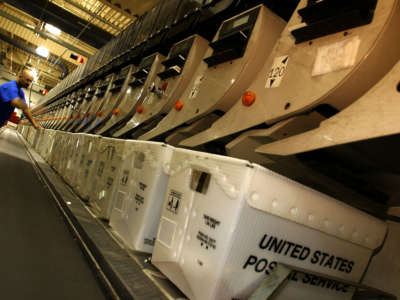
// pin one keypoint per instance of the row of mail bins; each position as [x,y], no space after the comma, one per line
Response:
[215,225]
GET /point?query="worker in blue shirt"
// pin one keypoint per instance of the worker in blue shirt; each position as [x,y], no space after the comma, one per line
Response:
[12,96]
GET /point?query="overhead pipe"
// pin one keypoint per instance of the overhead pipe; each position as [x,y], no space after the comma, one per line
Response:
[9,40]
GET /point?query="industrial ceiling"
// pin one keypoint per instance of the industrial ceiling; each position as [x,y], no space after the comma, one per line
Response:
[85,27]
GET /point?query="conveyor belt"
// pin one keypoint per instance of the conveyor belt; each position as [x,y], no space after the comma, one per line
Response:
[39,257]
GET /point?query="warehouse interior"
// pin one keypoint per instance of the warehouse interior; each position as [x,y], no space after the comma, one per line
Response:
[202,149]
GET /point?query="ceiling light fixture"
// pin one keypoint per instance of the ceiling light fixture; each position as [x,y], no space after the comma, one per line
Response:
[52,29]
[42,51]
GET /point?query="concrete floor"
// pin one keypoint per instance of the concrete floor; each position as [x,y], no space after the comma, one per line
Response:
[39,258]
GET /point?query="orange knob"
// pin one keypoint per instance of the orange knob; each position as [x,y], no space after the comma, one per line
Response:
[248,98]
[99,113]
[116,112]
[140,109]
[178,105]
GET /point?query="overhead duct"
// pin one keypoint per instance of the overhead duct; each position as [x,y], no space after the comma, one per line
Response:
[9,40]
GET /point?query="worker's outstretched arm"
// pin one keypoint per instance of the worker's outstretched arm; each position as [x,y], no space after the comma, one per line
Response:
[19,103]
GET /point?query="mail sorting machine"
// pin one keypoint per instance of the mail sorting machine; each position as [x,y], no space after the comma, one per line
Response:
[316,66]
[118,86]
[49,117]
[55,112]
[329,86]
[73,112]
[102,95]
[65,111]
[207,252]
[138,89]
[65,115]
[81,104]
[62,111]
[182,10]
[143,89]
[96,92]
[134,92]
[46,114]
[124,97]
[298,124]
[225,40]
[86,96]
[85,107]
[169,84]
[232,60]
